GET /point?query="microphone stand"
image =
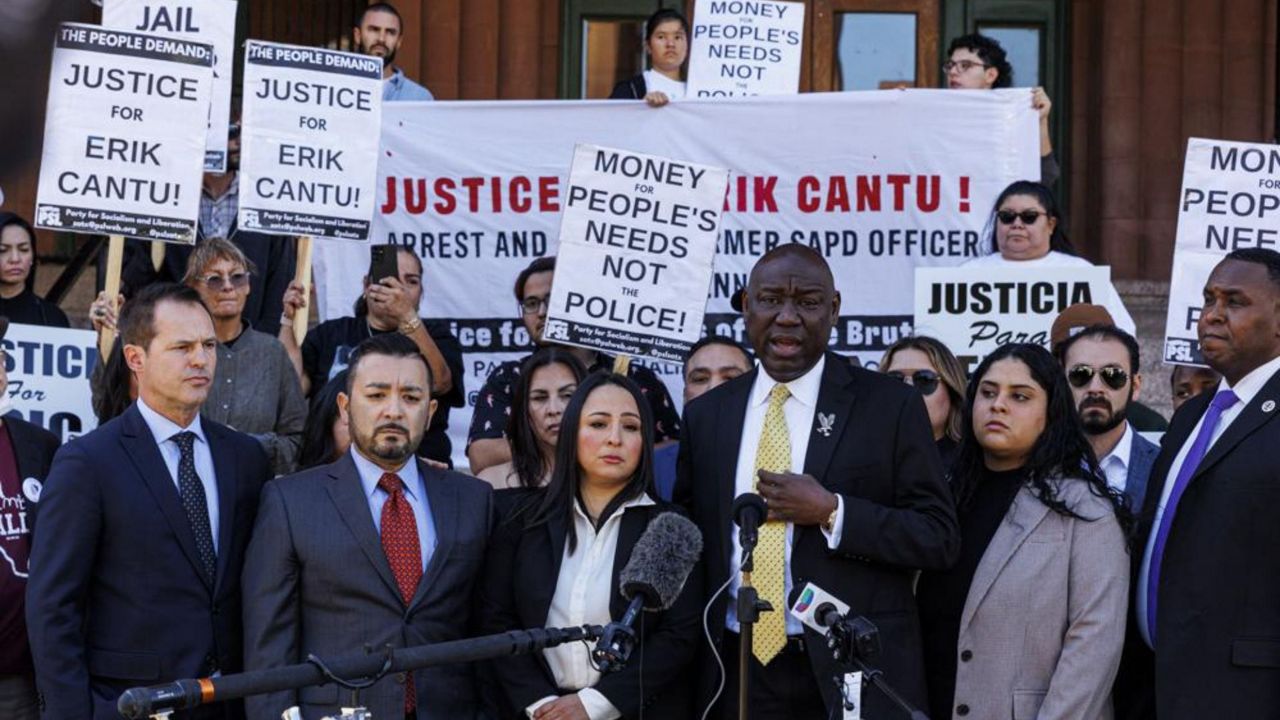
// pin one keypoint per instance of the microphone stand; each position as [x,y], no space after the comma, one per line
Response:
[749,511]
[854,639]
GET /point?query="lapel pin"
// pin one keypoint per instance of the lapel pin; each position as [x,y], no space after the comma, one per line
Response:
[1268,406]
[827,421]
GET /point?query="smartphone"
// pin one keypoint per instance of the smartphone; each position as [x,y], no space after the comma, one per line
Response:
[383,263]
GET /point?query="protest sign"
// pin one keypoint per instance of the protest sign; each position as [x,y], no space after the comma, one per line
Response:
[309,144]
[124,134]
[745,48]
[973,313]
[49,371]
[640,231]
[1230,200]
[476,189]
[208,21]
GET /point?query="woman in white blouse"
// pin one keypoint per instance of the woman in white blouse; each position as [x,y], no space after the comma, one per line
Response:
[666,41]
[554,562]
[1028,233]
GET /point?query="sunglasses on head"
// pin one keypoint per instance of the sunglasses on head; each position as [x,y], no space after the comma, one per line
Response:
[1114,377]
[926,381]
[1028,217]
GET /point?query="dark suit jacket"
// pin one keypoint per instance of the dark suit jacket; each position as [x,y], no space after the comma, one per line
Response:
[117,596]
[519,583]
[316,580]
[898,513]
[1141,457]
[1218,625]
[34,448]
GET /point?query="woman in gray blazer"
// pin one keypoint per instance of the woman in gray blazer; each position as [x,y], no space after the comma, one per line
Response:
[1030,622]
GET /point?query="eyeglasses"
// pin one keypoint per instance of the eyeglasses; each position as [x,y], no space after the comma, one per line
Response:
[1028,217]
[1081,375]
[533,305]
[926,381]
[963,66]
[217,282]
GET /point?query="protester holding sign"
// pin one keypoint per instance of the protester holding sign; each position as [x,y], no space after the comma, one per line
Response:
[666,42]
[1030,622]
[928,366]
[379,33]
[18,300]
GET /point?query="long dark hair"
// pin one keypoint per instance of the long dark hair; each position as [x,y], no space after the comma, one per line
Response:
[109,385]
[564,489]
[7,219]
[526,453]
[1058,240]
[317,432]
[1062,450]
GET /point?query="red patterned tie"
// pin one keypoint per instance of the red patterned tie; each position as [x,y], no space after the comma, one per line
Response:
[404,553]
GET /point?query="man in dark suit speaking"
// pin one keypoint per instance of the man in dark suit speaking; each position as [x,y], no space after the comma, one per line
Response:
[1208,582]
[135,568]
[375,549]
[845,459]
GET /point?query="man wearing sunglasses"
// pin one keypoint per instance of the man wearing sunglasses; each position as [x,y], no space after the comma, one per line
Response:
[1101,362]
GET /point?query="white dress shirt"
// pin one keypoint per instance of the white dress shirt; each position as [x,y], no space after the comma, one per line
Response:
[163,429]
[1115,466]
[655,81]
[798,411]
[415,492]
[1249,387]
[583,589]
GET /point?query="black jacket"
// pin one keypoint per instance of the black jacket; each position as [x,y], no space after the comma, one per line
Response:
[34,448]
[630,89]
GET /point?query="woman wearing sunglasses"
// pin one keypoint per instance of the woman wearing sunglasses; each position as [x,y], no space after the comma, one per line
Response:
[1027,232]
[1030,622]
[928,366]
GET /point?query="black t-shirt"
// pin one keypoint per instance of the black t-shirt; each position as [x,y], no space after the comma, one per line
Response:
[328,345]
[27,309]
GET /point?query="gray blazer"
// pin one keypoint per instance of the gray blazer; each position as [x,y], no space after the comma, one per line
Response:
[1141,457]
[316,580]
[1043,625]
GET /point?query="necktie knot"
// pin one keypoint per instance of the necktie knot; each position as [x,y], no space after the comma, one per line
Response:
[185,440]
[779,394]
[391,484]
[1224,400]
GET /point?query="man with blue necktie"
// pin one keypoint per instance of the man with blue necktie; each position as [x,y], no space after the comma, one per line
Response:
[1207,593]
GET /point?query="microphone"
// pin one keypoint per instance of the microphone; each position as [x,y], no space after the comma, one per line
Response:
[818,609]
[142,702]
[652,579]
[749,513]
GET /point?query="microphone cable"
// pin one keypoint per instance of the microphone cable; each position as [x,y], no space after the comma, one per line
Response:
[706,630]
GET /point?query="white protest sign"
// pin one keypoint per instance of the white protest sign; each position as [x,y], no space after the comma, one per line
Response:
[745,48]
[207,21]
[976,311]
[1230,201]
[640,232]
[124,134]
[49,371]
[309,143]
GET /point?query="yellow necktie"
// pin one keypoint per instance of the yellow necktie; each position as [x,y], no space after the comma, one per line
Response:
[774,455]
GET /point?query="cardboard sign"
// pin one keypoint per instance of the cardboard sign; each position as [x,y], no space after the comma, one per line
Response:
[208,21]
[640,232]
[309,147]
[975,312]
[124,134]
[1230,200]
[745,48]
[49,371]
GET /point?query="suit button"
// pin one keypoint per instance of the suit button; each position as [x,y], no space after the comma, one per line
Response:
[401,677]
[962,709]
[966,655]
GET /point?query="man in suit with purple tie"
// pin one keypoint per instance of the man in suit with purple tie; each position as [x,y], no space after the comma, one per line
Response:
[1207,590]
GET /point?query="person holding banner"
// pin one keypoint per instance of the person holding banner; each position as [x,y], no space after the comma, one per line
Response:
[666,42]
[18,300]
[928,366]
[386,306]
[379,33]
[978,62]
[486,438]
[1030,622]
[556,561]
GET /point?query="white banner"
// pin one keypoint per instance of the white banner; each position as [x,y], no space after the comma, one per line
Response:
[973,313]
[208,21]
[1230,200]
[49,371]
[878,182]
[309,144]
[641,229]
[745,48]
[124,134]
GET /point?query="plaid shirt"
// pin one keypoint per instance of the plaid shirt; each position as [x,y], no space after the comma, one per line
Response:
[218,215]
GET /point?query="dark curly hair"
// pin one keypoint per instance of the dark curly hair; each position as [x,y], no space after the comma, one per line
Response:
[990,52]
[1062,450]
[526,453]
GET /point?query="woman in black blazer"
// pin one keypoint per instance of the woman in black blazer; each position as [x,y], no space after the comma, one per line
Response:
[555,562]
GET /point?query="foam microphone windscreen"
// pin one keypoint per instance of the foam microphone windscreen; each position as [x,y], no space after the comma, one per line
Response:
[661,561]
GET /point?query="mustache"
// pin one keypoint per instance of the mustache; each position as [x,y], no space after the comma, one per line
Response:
[391,426]
[1095,402]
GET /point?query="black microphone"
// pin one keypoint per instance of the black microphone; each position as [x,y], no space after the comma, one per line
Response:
[749,513]
[652,579]
[827,615]
[140,702]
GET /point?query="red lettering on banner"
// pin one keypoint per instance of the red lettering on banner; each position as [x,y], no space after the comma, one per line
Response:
[868,193]
[899,183]
[520,187]
[806,189]
[548,191]
[520,194]
[447,203]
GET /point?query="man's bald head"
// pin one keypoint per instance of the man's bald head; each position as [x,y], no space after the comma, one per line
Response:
[790,305]
[802,253]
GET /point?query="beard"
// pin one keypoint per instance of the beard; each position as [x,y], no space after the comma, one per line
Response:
[392,448]
[386,59]
[1094,424]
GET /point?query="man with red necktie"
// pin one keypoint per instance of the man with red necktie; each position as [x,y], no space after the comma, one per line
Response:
[375,549]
